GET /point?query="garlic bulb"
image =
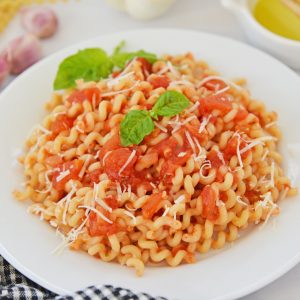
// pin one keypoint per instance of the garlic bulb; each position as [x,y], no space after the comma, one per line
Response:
[39,20]
[143,9]
[4,67]
[23,52]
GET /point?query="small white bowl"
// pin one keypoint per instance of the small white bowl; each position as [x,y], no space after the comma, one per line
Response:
[283,48]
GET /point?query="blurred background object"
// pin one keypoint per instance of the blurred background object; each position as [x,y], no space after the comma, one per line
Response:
[270,25]
[40,21]
[142,9]
[9,9]
[20,53]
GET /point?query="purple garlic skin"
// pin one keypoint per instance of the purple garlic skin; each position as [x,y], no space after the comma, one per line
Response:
[4,67]
[23,52]
[40,21]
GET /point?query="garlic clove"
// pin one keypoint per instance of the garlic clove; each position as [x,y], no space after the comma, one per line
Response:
[147,9]
[4,67]
[23,52]
[118,4]
[39,20]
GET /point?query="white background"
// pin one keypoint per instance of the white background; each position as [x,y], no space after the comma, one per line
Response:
[84,19]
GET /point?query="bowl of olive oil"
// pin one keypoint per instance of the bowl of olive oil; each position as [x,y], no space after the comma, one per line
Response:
[272,25]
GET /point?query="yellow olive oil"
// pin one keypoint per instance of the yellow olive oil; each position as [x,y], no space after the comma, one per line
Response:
[278,18]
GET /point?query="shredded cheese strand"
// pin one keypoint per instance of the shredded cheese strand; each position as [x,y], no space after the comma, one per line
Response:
[130,158]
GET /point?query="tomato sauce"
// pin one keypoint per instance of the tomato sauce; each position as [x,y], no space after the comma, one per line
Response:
[159,81]
[61,123]
[152,205]
[89,94]
[210,210]
[74,168]
[218,102]
[97,226]
[215,85]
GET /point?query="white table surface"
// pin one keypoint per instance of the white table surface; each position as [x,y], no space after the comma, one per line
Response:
[84,19]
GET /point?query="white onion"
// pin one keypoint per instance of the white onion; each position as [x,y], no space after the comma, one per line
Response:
[40,21]
[4,67]
[23,52]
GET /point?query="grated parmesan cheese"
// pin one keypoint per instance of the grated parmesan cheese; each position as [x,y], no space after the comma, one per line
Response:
[62,175]
[164,129]
[239,200]
[181,82]
[153,185]
[190,140]
[204,123]
[67,200]
[181,154]
[96,212]
[251,145]
[166,211]
[105,156]
[209,78]
[265,154]
[103,204]
[222,90]
[130,158]
[206,165]
[108,94]
[131,215]
[84,167]
[113,81]
[271,124]
[179,199]
[193,107]
[238,152]
[172,69]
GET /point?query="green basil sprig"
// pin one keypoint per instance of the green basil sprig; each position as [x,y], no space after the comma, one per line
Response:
[138,123]
[93,64]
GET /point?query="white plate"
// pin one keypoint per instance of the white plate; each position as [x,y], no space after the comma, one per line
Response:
[255,260]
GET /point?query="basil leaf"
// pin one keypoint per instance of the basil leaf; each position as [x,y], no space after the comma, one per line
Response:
[169,104]
[88,64]
[120,59]
[136,125]
[119,47]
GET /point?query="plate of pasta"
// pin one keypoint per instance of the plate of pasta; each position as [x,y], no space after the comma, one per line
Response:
[150,157]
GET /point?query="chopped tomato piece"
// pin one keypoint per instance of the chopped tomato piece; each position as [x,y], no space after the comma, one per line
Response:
[218,102]
[210,210]
[215,85]
[54,160]
[94,176]
[111,201]
[112,144]
[223,196]
[159,81]
[252,196]
[90,94]
[152,205]
[61,123]
[214,158]
[72,169]
[146,66]
[241,115]
[115,161]
[98,227]
[162,147]
[194,130]
[231,148]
